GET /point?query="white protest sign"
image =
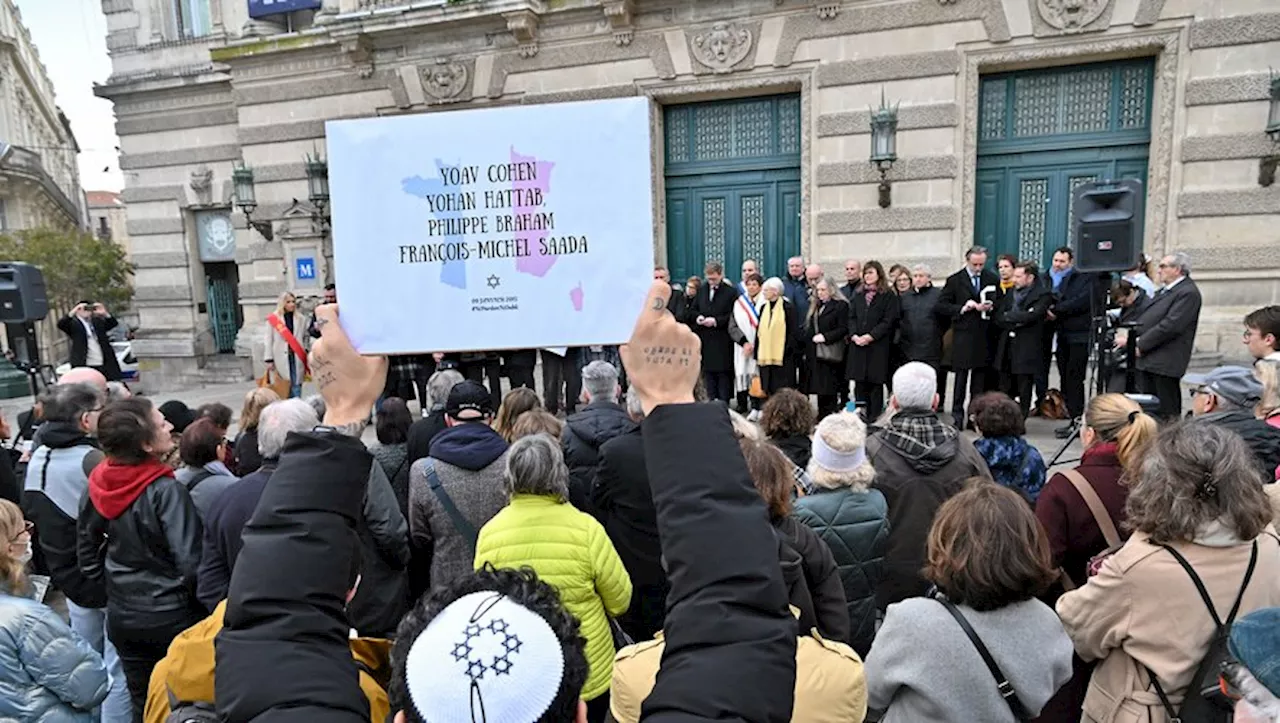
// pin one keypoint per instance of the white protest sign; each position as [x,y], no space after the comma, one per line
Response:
[504,228]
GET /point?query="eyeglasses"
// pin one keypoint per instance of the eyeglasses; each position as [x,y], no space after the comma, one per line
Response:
[28,527]
[1199,390]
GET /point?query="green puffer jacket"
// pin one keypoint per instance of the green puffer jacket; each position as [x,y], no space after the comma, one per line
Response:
[569,550]
[855,525]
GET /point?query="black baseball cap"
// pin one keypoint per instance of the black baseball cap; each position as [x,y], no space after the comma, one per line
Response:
[469,400]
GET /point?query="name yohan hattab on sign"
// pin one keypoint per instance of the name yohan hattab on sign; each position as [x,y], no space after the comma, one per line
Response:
[505,228]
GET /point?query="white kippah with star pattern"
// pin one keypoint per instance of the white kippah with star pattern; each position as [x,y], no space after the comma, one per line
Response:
[484,658]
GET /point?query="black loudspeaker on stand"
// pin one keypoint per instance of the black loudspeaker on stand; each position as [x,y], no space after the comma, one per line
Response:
[23,302]
[1106,233]
[1105,225]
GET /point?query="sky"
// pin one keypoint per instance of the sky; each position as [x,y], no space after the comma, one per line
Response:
[71,36]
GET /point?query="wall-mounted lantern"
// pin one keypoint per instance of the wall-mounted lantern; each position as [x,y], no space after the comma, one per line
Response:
[247,200]
[1267,165]
[884,146]
[318,186]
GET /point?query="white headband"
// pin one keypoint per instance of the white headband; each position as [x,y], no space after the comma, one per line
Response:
[484,657]
[834,461]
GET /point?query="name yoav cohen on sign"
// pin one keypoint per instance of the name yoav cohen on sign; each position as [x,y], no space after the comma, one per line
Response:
[504,228]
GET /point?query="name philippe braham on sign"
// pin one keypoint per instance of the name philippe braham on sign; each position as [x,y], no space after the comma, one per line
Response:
[459,212]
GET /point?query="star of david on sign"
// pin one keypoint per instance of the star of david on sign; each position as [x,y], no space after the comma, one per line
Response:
[464,652]
[494,281]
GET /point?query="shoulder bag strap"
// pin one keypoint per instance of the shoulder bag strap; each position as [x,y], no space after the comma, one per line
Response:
[1002,681]
[460,523]
[199,477]
[400,466]
[1099,510]
[1208,603]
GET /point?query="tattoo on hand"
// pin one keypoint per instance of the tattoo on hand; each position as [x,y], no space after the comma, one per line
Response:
[658,305]
[668,356]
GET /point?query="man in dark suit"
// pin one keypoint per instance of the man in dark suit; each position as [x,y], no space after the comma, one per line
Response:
[1166,332]
[1076,296]
[1020,317]
[961,302]
[87,325]
[712,310]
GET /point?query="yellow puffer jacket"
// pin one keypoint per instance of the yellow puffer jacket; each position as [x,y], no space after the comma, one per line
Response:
[187,670]
[570,551]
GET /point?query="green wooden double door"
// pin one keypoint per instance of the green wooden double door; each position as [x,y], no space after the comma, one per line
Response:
[733,184]
[1042,134]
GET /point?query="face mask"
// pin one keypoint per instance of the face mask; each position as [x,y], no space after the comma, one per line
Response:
[25,556]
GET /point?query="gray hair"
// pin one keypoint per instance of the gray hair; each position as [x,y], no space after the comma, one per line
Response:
[117,391]
[793,259]
[69,402]
[634,407]
[317,403]
[600,380]
[439,386]
[1182,260]
[918,268]
[915,385]
[775,283]
[535,466]
[278,420]
[974,251]
[1197,473]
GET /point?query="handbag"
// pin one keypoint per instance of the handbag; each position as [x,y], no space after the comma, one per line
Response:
[756,389]
[1100,516]
[831,351]
[272,380]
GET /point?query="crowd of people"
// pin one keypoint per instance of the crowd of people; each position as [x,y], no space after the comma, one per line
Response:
[993,330]
[649,554]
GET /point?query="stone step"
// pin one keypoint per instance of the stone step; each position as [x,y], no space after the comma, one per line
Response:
[223,369]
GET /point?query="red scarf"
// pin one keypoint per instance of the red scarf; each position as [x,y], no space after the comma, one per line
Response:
[113,486]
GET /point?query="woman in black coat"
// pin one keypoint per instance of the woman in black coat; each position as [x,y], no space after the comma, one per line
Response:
[873,317]
[828,323]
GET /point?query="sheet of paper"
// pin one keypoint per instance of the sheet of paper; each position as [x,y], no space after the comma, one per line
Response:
[503,228]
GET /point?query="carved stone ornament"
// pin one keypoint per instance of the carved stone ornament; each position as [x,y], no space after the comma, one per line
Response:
[722,46]
[523,26]
[620,14]
[359,50]
[202,185]
[1071,16]
[828,10]
[443,81]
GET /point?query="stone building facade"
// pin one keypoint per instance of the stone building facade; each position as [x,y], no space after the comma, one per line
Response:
[760,130]
[39,179]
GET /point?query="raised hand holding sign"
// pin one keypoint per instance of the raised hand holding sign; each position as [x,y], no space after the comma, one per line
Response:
[350,383]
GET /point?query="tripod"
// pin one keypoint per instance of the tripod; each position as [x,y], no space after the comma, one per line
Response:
[1100,370]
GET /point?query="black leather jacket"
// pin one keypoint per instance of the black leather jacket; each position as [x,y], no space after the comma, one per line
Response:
[148,556]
